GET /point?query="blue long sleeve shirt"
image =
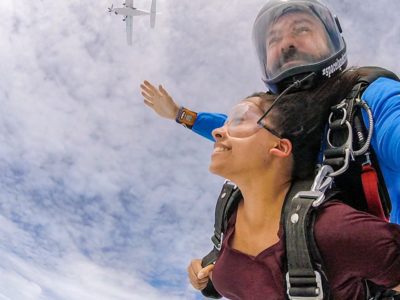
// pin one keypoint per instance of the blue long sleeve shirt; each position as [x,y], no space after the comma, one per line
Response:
[383,97]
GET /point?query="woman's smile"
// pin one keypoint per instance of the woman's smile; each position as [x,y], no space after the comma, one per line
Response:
[218,147]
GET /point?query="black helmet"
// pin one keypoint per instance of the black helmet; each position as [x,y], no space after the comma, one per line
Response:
[275,21]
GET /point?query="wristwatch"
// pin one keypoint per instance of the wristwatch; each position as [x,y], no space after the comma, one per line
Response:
[186,117]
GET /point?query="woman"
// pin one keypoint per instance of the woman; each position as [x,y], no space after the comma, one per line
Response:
[354,245]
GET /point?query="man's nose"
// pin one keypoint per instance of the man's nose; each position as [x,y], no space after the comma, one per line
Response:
[289,51]
[287,43]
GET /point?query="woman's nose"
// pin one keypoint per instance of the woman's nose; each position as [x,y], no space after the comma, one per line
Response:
[219,132]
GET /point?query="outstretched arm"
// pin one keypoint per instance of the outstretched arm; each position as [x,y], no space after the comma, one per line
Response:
[164,105]
[159,100]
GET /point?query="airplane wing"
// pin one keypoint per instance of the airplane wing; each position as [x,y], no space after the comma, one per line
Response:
[129,29]
[139,12]
[129,3]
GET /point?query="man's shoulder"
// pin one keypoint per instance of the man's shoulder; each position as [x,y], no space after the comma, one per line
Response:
[382,87]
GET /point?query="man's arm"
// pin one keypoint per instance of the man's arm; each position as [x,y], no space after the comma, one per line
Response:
[383,97]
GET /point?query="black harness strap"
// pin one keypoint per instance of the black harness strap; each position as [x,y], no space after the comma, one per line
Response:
[304,277]
[227,202]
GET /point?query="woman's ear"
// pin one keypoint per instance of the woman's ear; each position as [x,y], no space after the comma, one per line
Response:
[283,148]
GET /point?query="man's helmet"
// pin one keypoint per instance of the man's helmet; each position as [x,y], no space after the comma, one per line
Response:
[284,54]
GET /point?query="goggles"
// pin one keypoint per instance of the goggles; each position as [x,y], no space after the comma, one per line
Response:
[244,120]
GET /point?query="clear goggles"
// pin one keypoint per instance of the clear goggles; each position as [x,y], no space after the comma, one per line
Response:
[244,120]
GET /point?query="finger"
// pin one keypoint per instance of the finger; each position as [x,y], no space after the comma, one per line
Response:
[203,281]
[192,274]
[195,283]
[193,269]
[163,91]
[148,103]
[148,97]
[204,273]
[199,285]
[149,85]
[147,90]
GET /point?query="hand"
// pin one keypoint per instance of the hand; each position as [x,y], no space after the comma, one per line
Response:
[198,275]
[159,100]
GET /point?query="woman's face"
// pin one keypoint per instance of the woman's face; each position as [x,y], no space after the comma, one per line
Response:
[242,146]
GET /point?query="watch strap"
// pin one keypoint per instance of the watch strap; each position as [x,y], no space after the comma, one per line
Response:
[186,117]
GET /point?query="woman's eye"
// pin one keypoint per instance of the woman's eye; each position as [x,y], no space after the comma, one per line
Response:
[237,121]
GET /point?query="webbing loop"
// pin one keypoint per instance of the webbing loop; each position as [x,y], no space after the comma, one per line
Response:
[303,286]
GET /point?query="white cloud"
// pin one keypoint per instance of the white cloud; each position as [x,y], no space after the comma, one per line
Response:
[100,199]
[74,278]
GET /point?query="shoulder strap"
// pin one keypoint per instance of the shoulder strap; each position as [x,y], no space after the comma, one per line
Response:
[305,278]
[369,74]
[227,202]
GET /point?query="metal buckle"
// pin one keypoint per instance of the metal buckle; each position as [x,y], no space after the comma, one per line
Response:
[227,181]
[323,180]
[348,145]
[317,196]
[318,289]
[341,106]
[217,241]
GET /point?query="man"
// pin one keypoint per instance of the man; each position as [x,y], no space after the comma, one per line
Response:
[297,40]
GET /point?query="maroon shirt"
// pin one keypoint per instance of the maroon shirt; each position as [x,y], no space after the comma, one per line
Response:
[354,246]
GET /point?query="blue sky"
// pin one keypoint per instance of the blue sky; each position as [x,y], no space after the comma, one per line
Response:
[100,199]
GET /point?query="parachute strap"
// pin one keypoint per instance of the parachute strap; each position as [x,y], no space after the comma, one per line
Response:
[370,73]
[305,279]
[226,204]
[339,151]
[348,139]
[369,179]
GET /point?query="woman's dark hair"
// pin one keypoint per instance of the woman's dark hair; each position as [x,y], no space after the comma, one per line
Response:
[301,117]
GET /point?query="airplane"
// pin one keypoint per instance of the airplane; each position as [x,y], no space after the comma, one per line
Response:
[128,11]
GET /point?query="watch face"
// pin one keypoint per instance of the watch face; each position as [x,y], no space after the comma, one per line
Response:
[189,118]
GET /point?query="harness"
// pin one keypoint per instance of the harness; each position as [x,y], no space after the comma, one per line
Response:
[348,163]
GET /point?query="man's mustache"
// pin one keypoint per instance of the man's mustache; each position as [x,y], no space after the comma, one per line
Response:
[292,54]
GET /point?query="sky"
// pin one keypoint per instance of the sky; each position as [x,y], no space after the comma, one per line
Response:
[100,198]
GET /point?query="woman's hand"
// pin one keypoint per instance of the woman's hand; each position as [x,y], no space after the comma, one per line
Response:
[159,100]
[198,275]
